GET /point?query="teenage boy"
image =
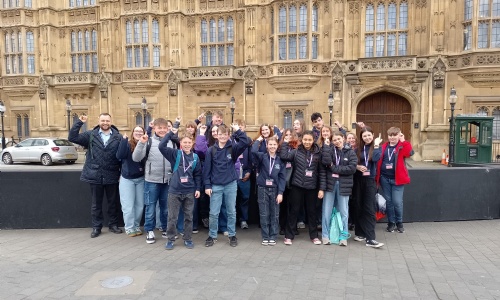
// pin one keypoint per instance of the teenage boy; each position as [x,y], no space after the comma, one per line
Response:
[185,185]
[220,179]
[318,123]
[157,176]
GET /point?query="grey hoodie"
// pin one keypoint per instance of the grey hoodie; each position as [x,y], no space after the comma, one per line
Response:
[158,169]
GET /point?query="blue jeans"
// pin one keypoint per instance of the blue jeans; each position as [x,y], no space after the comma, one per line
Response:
[393,195]
[153,193]
[228,194]
[269,212]
[132,200]
[340,202]
[223,218]
[243,199]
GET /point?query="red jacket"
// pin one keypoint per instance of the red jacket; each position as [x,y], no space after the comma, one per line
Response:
[402,151]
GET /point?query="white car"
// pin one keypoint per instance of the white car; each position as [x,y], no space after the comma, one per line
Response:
[44,150]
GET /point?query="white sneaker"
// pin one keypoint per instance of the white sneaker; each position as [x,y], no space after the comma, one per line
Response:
[244,225]
[343,243]
[150,237]
[226,233]
[326,241]
[301,225]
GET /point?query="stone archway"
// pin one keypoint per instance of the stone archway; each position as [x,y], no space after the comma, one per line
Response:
[383,110]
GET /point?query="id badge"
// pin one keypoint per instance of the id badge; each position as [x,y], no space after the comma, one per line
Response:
[309,173]
[184,179]
[335,175]
[288,165]
[366,173]
[388,166]
[269,182]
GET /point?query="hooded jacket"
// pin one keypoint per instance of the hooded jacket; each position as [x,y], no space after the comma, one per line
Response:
[402,151]
[157,168]
[130,168]
[101,165]
[345,168]
[302,162]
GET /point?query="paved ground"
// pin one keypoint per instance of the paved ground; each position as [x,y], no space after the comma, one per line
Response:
[455,260]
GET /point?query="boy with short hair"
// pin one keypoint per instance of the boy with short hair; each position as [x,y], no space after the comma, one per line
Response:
[219,175]
[185,184]
[318,123]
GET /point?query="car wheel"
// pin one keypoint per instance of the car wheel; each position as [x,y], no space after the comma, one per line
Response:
[46,160]
[7,159]
[70,162]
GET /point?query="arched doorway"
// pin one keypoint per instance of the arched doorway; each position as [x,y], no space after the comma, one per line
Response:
[383,110]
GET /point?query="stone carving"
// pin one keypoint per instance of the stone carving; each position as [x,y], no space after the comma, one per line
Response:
[103,84]
[210,72]
[173,82]
[42,87]
[337,77]
[137,75]
[387,64]
[354,7]
[13,81]
[82,15]
[490,80]
[438,73]
[421,3]
[249,75]
[293,69]
[118,78]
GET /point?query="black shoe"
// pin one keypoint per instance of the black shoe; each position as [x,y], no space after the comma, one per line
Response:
[210,241]
[233,241]
[282,232]
[390,227]
[401,229]
[373,244]
[115,229]
[351,227]
[95,233]
[296,232]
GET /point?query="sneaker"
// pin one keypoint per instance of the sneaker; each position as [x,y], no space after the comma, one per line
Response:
[316,241]
[282,231]
[164,234]
[390,227]
[288,241]
[326,241]
[301,225]
[226,233]
[169,245]
[189,244]
[195,231]
[359,238]
[205,222]
[159,229]
[272,243]
[373,244]
[131,233]
[150,237]
[319,227]
[244,225]
[265,242]
[351,227]
[343,243]
[138,231]
[233,241]
[210,242]
[401,229]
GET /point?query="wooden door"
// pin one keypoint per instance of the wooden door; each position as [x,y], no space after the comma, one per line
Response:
[384,110]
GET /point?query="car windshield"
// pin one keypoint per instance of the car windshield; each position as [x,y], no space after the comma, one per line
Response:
[62,143]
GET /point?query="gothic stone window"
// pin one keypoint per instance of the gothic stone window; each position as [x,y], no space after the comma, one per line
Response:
[84,50]
[23,125]
[217,41]
[493,111]
[80,3]
[386,29]
[487,22]
[16,50]
[75,116]
[10,3]
[289,115]
[138,43]
[297,35]
[139,118]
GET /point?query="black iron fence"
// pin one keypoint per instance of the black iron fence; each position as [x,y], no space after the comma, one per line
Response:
[495,152]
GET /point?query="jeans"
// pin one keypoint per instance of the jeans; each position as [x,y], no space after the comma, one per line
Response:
[243,199]
[334,199]
[98,191]
[159,225]
[153,193]
[228,194]
[269,212]
[393,195]
[132,200]
[177,203]
[223,217]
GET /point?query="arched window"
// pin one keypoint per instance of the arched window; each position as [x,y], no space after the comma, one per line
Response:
[156,32]
[204,31]
[94,40]
[315,18]
[136,31]
[30,48]
[496,122]
[221,30]
[80,41]
[287,119]
[128,32]
[217,41]
[282,19]
[145,31]
[292,23]
[87,40]
[212,31]
[303,18]
[482,111]
[230,29]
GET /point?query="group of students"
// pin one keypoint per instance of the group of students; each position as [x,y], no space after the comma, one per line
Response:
[203,167]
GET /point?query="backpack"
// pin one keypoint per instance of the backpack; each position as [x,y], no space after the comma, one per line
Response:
[178,160]
[230,149]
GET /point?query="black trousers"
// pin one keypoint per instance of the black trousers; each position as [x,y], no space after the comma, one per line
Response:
[297,197]
[284,209]
[98,191]
[364,196]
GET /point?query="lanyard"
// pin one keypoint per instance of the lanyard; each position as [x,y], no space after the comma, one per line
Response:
[183,164]
[366,156]
[337,158]
[310,161]
[391,154]
[271,166]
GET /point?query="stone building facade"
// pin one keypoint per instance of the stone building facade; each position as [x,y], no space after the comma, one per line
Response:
[386,62]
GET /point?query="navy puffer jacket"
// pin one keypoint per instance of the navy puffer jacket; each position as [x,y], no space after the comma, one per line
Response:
[101,165]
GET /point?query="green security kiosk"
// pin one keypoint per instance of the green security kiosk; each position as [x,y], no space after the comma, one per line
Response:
[473,139]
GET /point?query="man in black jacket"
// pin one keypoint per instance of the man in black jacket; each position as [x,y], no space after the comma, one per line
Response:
[101,169]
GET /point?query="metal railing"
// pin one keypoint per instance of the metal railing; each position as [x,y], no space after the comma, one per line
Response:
[495,152]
